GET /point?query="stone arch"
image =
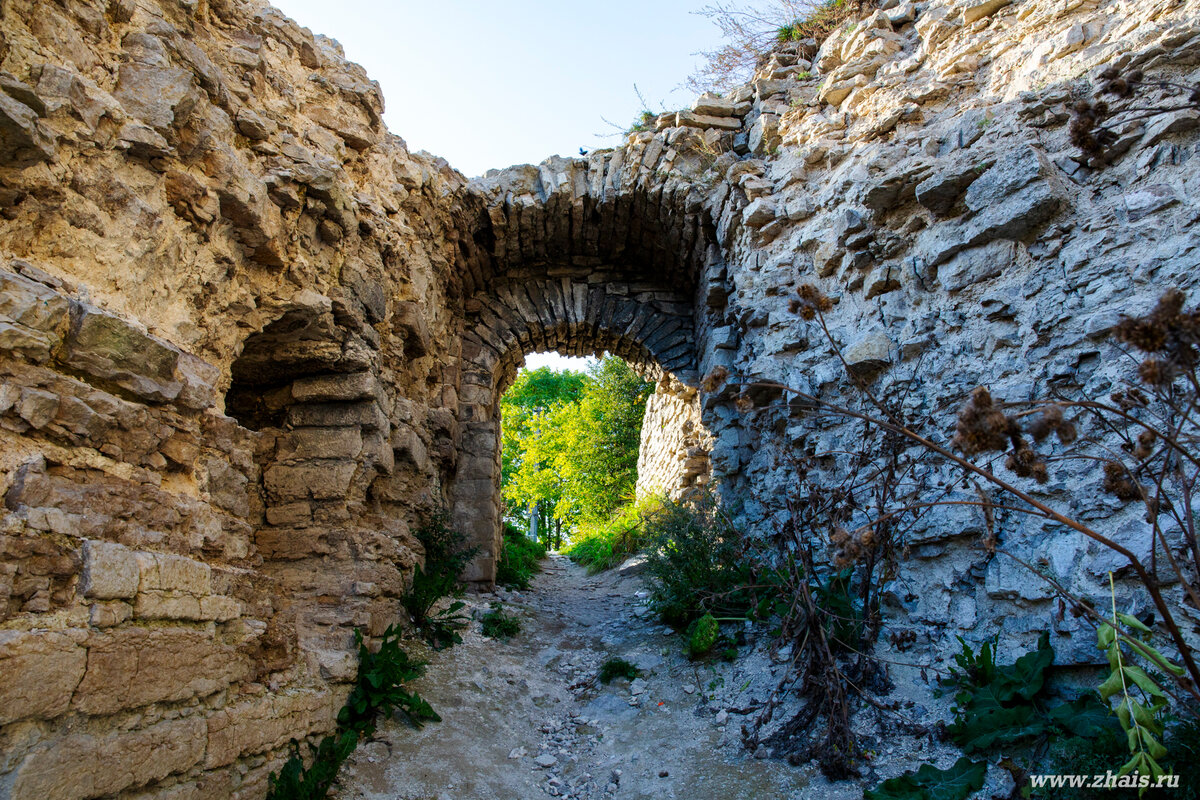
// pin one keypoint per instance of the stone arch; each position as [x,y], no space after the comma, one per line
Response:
[652,330]
[614,252]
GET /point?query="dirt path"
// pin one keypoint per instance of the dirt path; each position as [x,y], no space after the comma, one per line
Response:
[527,719]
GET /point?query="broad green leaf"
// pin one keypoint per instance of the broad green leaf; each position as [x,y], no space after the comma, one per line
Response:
[1154,747]
[1105,635]
[1143,717]
[1145,682]
[930,783]
[1115,658]
[985,723]
[1085,716]
[1111,686]
[1124,716]
[1026,677]
[1157,658]
[1133,622]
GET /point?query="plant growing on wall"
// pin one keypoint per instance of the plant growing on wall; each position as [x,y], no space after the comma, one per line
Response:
[439,577]
[1143,440]
[378,691]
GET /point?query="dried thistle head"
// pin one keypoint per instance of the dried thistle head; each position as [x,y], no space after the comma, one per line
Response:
[1169,335]
[812,302]
[981,426]
[1047,422]
[1087,132]
[1153,509]
[1121,84]
[1155,372]
[715,379]
[743,402]
[1067,432]
[1145,445]
[1051,420]
[1026,463]
[1119,483]
[851,546]
[1129,399]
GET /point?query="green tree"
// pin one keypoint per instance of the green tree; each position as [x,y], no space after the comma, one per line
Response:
[571,442]
[599,444]
[525,410]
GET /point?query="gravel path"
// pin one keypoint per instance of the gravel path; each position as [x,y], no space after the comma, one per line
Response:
[528,719]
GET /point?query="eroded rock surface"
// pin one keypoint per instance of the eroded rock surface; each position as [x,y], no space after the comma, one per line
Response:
[247,338]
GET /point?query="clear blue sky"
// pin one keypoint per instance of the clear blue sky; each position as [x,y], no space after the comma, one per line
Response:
[491,84]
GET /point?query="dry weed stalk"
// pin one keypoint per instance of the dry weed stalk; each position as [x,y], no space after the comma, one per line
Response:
[1156,461]
[1096,126]
[751,32]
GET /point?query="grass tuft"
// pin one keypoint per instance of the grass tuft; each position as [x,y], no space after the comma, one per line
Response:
[498,625]
[618,668]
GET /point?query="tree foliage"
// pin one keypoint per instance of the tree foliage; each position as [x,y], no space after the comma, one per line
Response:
[570,440]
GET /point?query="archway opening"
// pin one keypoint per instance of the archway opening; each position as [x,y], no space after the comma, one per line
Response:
[570,441]
[649,327]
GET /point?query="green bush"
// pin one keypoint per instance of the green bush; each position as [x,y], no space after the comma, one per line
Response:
[822,20]
[604,545]
[699,564]
[929,783]
[445,559]
[498,625]
[644,122]
[378,690]
[618,668]
[519,559]
[1079,756]
[702,635]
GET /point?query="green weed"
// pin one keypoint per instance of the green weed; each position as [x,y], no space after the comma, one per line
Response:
[698,563]
[498,625]
[618,668]
[519,559]
[378,691]
[605,545]
[445,559]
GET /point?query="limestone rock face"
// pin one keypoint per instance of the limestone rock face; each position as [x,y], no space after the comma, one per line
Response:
[247,340]
[222,286]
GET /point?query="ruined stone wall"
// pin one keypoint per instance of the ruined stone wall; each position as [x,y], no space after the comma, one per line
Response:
[924,180]
[228,387]
[673,458]
[246,338]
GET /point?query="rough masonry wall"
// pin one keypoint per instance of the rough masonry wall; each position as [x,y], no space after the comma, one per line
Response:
[246,338]
[673,458]
[924,180]
[228,386]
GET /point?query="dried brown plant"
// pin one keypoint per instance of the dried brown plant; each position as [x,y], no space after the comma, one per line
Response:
[1096,125]
[1146,444]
